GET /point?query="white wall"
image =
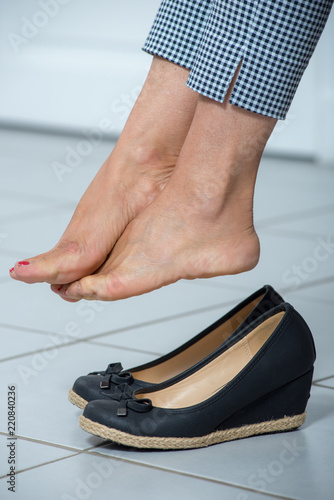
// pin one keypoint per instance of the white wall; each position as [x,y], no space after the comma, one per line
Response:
[309,127]
[82,67]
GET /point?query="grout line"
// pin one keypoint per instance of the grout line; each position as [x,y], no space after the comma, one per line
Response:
[138,325]
[46,443]
[322,379]
[42,464]
[162,320]
[80,341]
[323,385]
[187,474]
[155,467]
[54,445]
[146,323]
[119,330]
[31,330]
[36,351]
[93,450]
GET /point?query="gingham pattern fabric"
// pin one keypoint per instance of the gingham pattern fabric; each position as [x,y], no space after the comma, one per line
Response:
[274,39]
[178,29]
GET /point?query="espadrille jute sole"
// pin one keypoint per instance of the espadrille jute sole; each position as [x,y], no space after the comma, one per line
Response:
[76,400]
[174,443]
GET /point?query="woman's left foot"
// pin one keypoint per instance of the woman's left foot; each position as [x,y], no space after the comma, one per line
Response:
[193,229]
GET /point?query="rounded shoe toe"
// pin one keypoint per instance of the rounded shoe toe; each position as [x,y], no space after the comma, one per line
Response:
[102,411]
[88,387]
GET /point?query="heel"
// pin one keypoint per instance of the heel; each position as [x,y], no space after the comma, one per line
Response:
[287,401]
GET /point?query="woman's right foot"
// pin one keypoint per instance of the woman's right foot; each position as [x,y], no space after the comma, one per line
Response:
[120,190]
[137,170]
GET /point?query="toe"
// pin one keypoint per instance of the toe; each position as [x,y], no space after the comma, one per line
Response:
[63,264]
[102,286]
[59,290]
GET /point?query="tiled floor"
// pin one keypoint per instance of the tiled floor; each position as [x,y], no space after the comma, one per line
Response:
[47,343]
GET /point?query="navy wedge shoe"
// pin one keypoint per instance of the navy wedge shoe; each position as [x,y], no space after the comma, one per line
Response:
[257,383]
[103,384]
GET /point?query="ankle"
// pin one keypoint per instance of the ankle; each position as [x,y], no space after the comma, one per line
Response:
[218,195]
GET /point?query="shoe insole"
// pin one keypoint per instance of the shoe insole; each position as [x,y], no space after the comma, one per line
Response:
[204,383]
[196,352]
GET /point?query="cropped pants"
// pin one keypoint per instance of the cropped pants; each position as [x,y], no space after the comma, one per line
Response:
[272,39]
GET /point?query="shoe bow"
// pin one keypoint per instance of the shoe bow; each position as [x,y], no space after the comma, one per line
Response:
[124,394]
[114,374]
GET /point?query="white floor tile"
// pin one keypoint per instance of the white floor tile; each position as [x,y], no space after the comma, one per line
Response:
[14,208]
[322,293]
[286,263]
[292,209]
[329,382]
[36,157]
[28,454]
[295,465]
[295,175]
[285,188]
[30,144]
[6,261]
[220,282]
[36,235]
[320,226]
[319,318]
[166,336]
[16,342]
[96,477]
[42,309]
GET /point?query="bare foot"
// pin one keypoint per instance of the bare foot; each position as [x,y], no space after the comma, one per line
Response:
[134,174]
[201,224]
[182,234]
[117,194]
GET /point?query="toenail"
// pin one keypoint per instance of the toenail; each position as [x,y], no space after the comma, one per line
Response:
[65,291]
[11,270]
[23,263]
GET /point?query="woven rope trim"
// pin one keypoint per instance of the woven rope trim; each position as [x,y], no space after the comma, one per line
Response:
[76,400]
[171,443]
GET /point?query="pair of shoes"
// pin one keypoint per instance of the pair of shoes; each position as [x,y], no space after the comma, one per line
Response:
[251,374]
[183,360]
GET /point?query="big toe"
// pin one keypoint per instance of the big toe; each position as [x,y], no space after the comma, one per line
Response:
[59,266]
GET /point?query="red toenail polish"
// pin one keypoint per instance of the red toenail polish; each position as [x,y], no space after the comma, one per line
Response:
[23,263]
[60,288]
[11,270]
[65,292]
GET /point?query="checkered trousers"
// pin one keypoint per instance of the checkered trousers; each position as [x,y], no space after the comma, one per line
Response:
[274,39]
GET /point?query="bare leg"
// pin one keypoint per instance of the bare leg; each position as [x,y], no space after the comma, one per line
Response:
[136,171]
[201,225]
